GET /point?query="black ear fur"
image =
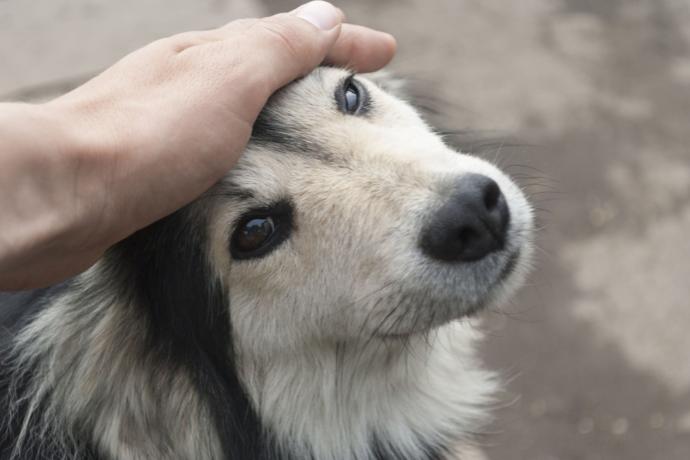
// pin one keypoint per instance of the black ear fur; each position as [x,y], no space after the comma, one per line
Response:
[187,310]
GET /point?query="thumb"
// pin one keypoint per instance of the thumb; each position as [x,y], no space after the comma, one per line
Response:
[290,45]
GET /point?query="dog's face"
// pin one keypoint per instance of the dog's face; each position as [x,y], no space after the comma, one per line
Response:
[348,218]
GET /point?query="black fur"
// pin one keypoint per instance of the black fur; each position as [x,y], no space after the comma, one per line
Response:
[272,129]
[188,317]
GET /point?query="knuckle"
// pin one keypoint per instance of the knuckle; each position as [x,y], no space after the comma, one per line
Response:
[174,44]
[238,25]
[350,48]
[182,41]
[287,39]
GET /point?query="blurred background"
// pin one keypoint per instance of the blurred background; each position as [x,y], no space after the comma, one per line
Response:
[587,103]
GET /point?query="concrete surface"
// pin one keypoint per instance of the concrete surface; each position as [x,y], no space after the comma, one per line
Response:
[593,100]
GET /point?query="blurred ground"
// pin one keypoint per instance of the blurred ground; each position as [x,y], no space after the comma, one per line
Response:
[597,96]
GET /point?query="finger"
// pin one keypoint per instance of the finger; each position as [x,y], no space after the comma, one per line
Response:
[362,49]
[309,29]
[289,45]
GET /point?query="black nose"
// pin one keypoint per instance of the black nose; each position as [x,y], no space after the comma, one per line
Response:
[471,224]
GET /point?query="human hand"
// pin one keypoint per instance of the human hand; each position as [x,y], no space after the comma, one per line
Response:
[150,134]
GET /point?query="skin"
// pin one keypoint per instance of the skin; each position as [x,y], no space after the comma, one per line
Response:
[150,134]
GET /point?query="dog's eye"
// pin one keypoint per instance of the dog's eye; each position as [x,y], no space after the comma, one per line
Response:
[254,233]
[261,231]
[351,97]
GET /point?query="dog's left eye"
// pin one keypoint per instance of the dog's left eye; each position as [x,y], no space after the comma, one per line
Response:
[254,233]
[261,231]
[351,97]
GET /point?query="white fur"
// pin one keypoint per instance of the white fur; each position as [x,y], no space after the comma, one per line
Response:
[327,400]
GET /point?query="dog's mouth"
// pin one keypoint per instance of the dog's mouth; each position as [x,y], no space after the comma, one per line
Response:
[505,273]
[510,266]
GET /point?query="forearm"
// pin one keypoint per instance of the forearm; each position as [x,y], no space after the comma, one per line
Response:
[40,154]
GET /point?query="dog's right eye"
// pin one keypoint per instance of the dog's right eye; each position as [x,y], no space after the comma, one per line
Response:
[261,231]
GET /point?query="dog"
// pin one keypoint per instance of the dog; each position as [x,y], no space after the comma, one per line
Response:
[311,305]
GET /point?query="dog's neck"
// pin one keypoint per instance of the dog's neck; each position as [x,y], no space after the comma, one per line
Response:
[389,400]
[413,399]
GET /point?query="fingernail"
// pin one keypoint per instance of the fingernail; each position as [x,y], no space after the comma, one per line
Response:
[320,14]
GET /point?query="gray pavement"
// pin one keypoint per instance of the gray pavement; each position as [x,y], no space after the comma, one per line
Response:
[587,103]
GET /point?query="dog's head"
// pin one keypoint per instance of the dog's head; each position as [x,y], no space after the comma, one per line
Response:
[346,223]
[348,218]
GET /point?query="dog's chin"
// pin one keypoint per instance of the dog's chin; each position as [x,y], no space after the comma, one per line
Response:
[454,307]
[442,313]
